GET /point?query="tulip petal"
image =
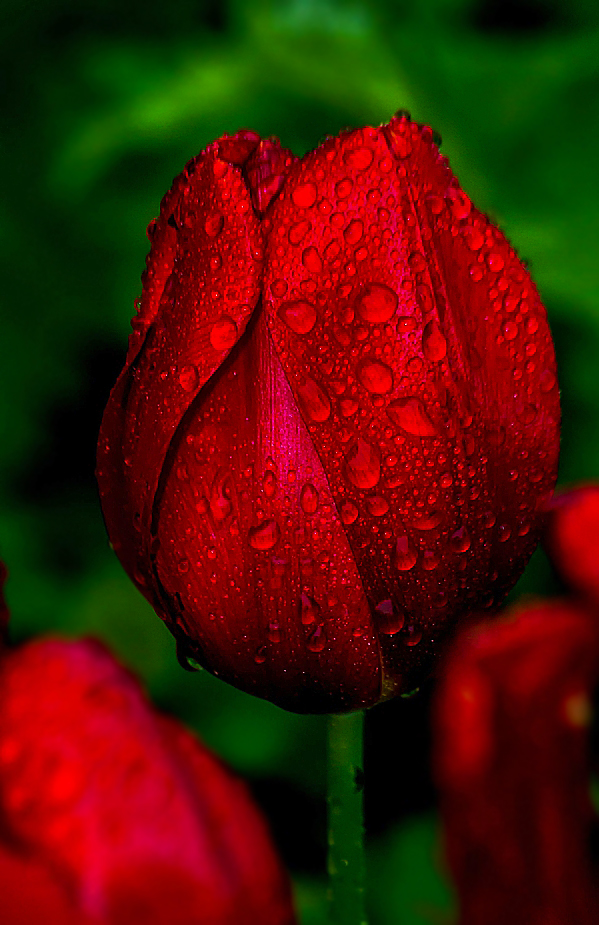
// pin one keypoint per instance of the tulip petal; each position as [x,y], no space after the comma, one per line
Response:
[121,809]
[250,552]
[201,286]
[512,719]
[420,357]
[572,538]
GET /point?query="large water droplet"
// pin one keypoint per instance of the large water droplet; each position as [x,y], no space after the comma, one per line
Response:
[353,233]
[434,345]
[309,499]
[376,505]
[405,554]
[363,465]
[313,401]
[300,316]
[376,303]
[223,335]
[188,378]
[260,655]
[375,376]
[214,224]
[428,521]
[317,639]
[413,635]
[304,196]
[298,232]
[309,610]
[359,158]
[459,540]
[265,535]
[220,498]
[348,512]
[388,620]
[344,188]
[269,483]
[312,260]
[411,416]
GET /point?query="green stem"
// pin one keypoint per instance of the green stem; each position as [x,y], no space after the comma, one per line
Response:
[346,863]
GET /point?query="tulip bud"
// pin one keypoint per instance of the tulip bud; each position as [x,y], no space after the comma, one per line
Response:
[512,766]
[337,420]
[113,814]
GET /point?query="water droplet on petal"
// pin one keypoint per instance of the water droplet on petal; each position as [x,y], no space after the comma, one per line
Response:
[411,416]
[278,288]
[434,344]
[360,158]
[405,554]
[510,330]
[309,499]
[459,540]
[298,232]
[376,303]
[413,635]
[375,376]
[309,610]
[363,465]
[265,535]
[428,521]
[460,204]
[274,631]
[260,655]
[304,196]
[348,512]
[317,639]
[300,316]
[353,232]
[188,378]
[313,401]
[388,620]
[312,260]
[223,335]
[269,483]
[344,188]
[376,505]
[430,560]
[348,406]
[214,224]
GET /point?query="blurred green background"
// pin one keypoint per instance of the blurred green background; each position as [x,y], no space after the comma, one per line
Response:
[103,103]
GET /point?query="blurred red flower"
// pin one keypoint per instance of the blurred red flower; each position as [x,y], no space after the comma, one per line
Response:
[338,417]
[113,814]
[512,755]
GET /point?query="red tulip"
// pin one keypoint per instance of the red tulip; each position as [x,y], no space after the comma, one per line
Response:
[337,419]
[572,539]
[115,815]
[512,717]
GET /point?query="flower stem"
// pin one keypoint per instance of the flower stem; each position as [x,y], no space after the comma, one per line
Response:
[346,863]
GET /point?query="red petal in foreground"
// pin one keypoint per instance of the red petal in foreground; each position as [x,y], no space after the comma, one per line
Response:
[512,717]
[114,814]
[572,539]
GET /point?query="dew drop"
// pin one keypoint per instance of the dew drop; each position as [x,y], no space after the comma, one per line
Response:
[223,335]
[495,262]
[312,260]
[214,224]
[265,535]
[504,532]
[429,521]
[389,621]
[313,401]
[459,540]
[411,416]
[405,554]
[304,196]
[376,303]
[375,376]
[188,378]
[376,505]
[317,640]
[298,232]
[348,406]
[360,158]
[269,483]
[344,188]
[434,345]
[488,519]
[353,233]
[278,288]
[430,560]
[406,324]
[260,655]
[348,513]
[274,631]
[510,330]
[300,316]
[460,204]
[309,499]
[475,239]
[413,635]
[363,465]
[309,610]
